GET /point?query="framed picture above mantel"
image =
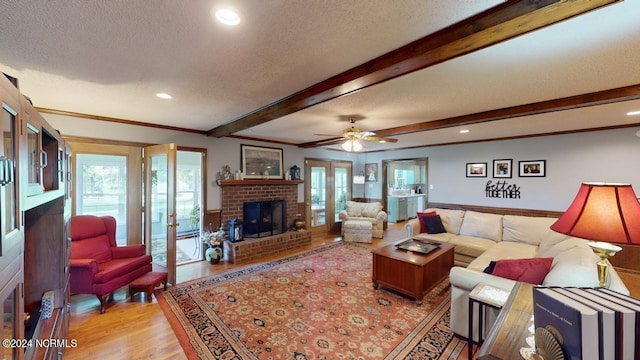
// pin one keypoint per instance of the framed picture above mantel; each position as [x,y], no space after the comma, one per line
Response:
[260,162]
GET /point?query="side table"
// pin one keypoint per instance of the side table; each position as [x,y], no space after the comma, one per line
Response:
[510,330]
[484,295]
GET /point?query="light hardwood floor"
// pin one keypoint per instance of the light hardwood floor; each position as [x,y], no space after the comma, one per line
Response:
[139,329]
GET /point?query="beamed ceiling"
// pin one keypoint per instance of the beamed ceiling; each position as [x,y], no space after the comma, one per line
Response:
[295,71]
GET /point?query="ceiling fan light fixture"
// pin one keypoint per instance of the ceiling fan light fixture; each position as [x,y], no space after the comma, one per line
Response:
[352,145]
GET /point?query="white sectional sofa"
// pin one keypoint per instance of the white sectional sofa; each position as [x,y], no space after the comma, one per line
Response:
[482,237]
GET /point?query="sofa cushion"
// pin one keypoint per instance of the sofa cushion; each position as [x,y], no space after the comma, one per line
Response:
[471,246]
[421,216]
[488,226]
[451,219]
[96,247]
[371,209]
[373,220]
[442,237]
[548,243]
[117,267]
[502,250]
[529,229]
[574,267]
[562,246]
[354,208]
[530,270]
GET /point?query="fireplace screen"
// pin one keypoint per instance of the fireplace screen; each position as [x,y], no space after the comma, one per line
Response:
[264,218]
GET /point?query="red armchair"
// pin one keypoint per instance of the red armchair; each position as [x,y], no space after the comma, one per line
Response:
[98,265]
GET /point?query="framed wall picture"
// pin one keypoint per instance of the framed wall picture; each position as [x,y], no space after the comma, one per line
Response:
[532,168]
[502,168]
[476,169]
[371,172]
[261,162]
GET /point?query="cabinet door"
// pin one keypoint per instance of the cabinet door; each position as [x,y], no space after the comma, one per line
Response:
[392,205]
[412,207]
[34,160]
[402,209]
[8,183]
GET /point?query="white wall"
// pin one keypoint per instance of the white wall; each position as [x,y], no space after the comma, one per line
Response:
[611,156]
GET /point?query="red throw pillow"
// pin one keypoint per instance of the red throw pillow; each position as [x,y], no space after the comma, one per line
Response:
[423,225]
[531,271]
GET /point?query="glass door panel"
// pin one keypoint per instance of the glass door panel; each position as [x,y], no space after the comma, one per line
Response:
[160,206]
[8,181]
[326,193]
[8,312]
[101,189]
[189,205]
[341,191]
[316,195]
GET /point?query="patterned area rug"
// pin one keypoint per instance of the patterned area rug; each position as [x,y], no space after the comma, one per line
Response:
[317,305]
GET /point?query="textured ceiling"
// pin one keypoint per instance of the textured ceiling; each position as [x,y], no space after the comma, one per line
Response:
[109,59]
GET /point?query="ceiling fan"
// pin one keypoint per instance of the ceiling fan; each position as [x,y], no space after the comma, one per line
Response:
[354,137]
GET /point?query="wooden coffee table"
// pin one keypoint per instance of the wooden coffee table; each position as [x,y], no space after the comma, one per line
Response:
[411,273]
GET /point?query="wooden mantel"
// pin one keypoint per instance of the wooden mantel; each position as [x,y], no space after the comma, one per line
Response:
[258,182]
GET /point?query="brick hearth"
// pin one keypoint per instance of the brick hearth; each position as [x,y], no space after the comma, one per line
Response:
[237,192]
[250,249]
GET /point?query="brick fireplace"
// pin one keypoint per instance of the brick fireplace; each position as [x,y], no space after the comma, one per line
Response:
[236,192]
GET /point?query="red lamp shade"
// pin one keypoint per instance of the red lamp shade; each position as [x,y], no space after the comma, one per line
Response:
[602,212]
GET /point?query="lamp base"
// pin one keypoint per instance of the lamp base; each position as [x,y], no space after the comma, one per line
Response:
[604,251]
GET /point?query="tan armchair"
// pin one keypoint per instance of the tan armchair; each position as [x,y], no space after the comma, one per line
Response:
[365,211]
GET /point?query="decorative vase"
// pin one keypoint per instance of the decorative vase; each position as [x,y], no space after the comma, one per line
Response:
[299,224]
[213,255]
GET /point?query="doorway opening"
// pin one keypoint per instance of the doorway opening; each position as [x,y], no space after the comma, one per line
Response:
[404,187]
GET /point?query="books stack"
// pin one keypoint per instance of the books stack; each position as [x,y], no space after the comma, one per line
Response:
[597,324]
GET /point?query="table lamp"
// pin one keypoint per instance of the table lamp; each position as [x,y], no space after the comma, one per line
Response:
[605,213]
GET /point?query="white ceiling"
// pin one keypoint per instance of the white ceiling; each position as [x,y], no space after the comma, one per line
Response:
[109,58]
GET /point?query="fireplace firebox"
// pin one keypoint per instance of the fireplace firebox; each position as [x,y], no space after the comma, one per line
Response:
[264,218]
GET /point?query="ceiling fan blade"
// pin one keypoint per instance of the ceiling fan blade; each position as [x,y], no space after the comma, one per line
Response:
[380,139]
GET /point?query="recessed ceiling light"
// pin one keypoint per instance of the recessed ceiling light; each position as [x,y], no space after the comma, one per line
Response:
[464,131]
[164,96]
[631,113]
[227,17]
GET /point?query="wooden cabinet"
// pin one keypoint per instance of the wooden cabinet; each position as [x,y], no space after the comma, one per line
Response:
[11,231]
[34,250]
[44,151]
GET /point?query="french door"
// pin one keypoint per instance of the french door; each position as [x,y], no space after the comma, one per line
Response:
[327,189]
[160,220]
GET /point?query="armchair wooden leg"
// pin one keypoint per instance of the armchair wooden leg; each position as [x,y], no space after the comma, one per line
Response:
[103,301]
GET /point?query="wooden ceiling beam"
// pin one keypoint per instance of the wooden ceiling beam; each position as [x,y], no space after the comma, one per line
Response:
[493,26]
[604,97]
